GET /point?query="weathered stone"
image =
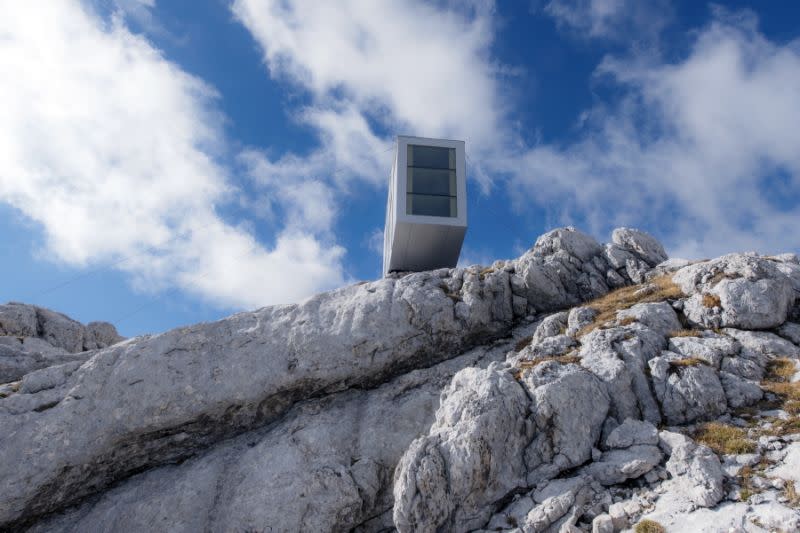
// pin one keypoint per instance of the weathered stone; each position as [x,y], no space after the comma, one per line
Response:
[632,432]
[790,331]
[695,468]
[740,392]
[568,406]
[617,466]
[686,393]
[645,246]
[618,356]
[472,456]
[711,348]
[579,317]
[659,316]
[736,290]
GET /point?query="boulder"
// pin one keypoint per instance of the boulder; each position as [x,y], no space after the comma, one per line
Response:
[740,392]
[686,393]
[645,246]
[471,457]
[568,407]
[737,290]
[632,432]
[696,470]
[620,465]
[711,348]
[659,316]
[579,318]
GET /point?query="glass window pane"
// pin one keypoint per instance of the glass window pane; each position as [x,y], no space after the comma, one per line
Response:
[431,157]
[432,181]
[427,205]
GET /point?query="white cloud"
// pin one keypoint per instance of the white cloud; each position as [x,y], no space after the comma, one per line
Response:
[113,150]
[379,68]
[623,20]
[704,150]
[690,151]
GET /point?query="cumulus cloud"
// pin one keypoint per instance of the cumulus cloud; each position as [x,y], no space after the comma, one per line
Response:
[611,19]
[703,150]
[375,68]
[114,150]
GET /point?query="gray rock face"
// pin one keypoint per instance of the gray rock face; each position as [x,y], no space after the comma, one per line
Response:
[790,331]
[645,246]
[472,457]
[659,317]
[697,472]
[686,393]
[711,348]
[32,338]
[737,290]
[617,466]
[388,404]
[326,466]
[619,356]
[568,406]
[564,268]
[579,317]
[632,432]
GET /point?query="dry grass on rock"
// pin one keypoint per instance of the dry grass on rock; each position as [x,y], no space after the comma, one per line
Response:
[686,333]
[649,526]
[561,359]
[724,439]
[657,290]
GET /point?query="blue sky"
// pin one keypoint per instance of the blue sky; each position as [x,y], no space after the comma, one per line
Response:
[164,162]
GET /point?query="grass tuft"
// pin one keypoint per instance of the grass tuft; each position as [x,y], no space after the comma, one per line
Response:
[724,439]
[790,491]
[686,333]
[657,290]
[523,342]
[687,362]
[649,526]
[711,300]
[561,359]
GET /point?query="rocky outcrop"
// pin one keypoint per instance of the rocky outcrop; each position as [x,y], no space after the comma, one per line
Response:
[155,400]
[453,400]
[33,337]
[640,367]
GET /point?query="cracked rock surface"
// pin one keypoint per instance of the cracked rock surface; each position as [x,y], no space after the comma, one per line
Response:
[460,399]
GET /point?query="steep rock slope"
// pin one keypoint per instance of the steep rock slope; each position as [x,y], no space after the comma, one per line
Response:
[451,400]
[33,337]
[158,400]
[563,436]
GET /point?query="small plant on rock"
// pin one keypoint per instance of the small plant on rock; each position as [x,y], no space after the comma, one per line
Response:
[649,526]
[724,439]
[711,300]
[657,290]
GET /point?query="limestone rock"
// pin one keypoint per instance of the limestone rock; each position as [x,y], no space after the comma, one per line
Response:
[645,246]
[18,320]
[472,456]
[791,332]
[617,466]
[552,325]
[579,317]
[736,290]
[659,317]
[695,468]
[632,432]
[740,392]
[686,393]
[619,356]
[711,348]
[568,406]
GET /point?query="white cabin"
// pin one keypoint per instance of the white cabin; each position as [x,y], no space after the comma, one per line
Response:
[426,212]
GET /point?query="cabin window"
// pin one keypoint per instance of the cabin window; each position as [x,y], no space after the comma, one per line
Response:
[431,186]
